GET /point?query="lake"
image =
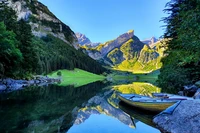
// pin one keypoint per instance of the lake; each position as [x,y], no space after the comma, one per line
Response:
[92,108]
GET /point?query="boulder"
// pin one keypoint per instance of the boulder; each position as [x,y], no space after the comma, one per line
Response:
[190,90]
[8,81]
[197,83]
[2,87]
[197,94]
[15,86]
[181,93]
[184,119]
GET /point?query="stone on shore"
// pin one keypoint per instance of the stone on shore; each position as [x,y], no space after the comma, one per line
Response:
[197,83]
[2,87]
[185,118]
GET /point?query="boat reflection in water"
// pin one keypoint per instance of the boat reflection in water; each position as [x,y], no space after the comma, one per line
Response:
[138,115]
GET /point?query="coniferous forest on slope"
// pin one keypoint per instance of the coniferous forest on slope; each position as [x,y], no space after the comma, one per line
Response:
[23,54]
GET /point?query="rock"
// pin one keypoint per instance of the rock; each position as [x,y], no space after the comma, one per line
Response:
[190,90]
[184,119]
[21,81]
[197,94]
[2,87]
[9,81]
[197,83]
[181,93]
[15,86]
[31,82]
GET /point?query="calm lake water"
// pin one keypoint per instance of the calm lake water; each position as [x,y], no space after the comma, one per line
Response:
[92,108]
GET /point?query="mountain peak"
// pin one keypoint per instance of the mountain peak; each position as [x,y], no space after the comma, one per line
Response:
[83,40]
[130,32]
[150,41]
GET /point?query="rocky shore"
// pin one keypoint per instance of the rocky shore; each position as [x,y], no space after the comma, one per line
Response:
[185,117]
[8,84]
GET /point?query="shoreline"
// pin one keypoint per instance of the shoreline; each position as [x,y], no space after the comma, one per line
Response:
[9,84]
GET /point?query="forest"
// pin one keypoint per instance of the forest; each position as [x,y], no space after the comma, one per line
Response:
[23,55]
[181,65]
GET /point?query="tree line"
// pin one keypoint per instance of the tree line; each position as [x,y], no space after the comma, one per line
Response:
[181,65]
[22,54]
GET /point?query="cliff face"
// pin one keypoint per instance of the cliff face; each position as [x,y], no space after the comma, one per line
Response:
[127,53]
[42,21]
[83,40]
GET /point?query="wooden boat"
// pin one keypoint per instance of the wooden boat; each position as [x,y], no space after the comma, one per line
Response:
[137,114]
[148,103]
[170,96]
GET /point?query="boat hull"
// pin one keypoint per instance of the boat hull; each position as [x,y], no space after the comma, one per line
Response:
[150,106]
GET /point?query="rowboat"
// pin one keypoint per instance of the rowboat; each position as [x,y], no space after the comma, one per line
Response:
[157,104]
[137,114]
[171,96]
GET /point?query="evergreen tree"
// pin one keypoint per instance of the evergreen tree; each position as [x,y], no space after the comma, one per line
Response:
[8,16]
[24,36]
[10,56]
[181,66]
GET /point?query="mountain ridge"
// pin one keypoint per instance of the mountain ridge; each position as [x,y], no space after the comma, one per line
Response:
[128,53]
[42,20]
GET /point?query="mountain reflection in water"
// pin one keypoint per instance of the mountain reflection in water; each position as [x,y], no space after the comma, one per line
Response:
[89,108]
[94,113]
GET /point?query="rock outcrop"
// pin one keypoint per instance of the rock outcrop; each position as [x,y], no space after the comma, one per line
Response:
[8,85]
[126,52]
[184,119]
[42,21]
[83,40]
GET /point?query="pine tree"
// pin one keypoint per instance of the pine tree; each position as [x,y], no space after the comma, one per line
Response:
[10,56]
[24,36]
[181,66]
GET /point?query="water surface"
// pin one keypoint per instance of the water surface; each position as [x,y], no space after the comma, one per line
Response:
[91,108]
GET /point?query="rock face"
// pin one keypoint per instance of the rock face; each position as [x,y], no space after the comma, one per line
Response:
[42,21]
[100,105]
[185,118]
[116,43]
[126,52]
[150,41]
[83,40]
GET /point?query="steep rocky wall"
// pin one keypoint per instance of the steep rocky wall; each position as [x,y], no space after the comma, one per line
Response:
[42,21]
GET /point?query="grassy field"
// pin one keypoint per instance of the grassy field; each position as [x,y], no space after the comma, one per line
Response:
[76,77]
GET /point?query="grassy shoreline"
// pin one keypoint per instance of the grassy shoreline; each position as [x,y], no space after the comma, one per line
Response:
[76,77]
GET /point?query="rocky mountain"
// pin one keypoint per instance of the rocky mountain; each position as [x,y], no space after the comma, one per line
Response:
[83,40]
[150,41]
[127,53]
[42,21]
[46,43]
[106,104]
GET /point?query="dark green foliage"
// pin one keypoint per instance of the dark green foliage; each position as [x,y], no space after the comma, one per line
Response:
[48,103]
[10,56]
[8,16]
[181,66]
[62,56]
[22,54]
[59,73]
[24,36]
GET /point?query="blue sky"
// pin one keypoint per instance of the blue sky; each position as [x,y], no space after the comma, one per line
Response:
[103,20]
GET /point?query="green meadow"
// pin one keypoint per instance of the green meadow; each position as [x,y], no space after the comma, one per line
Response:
[76,77]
